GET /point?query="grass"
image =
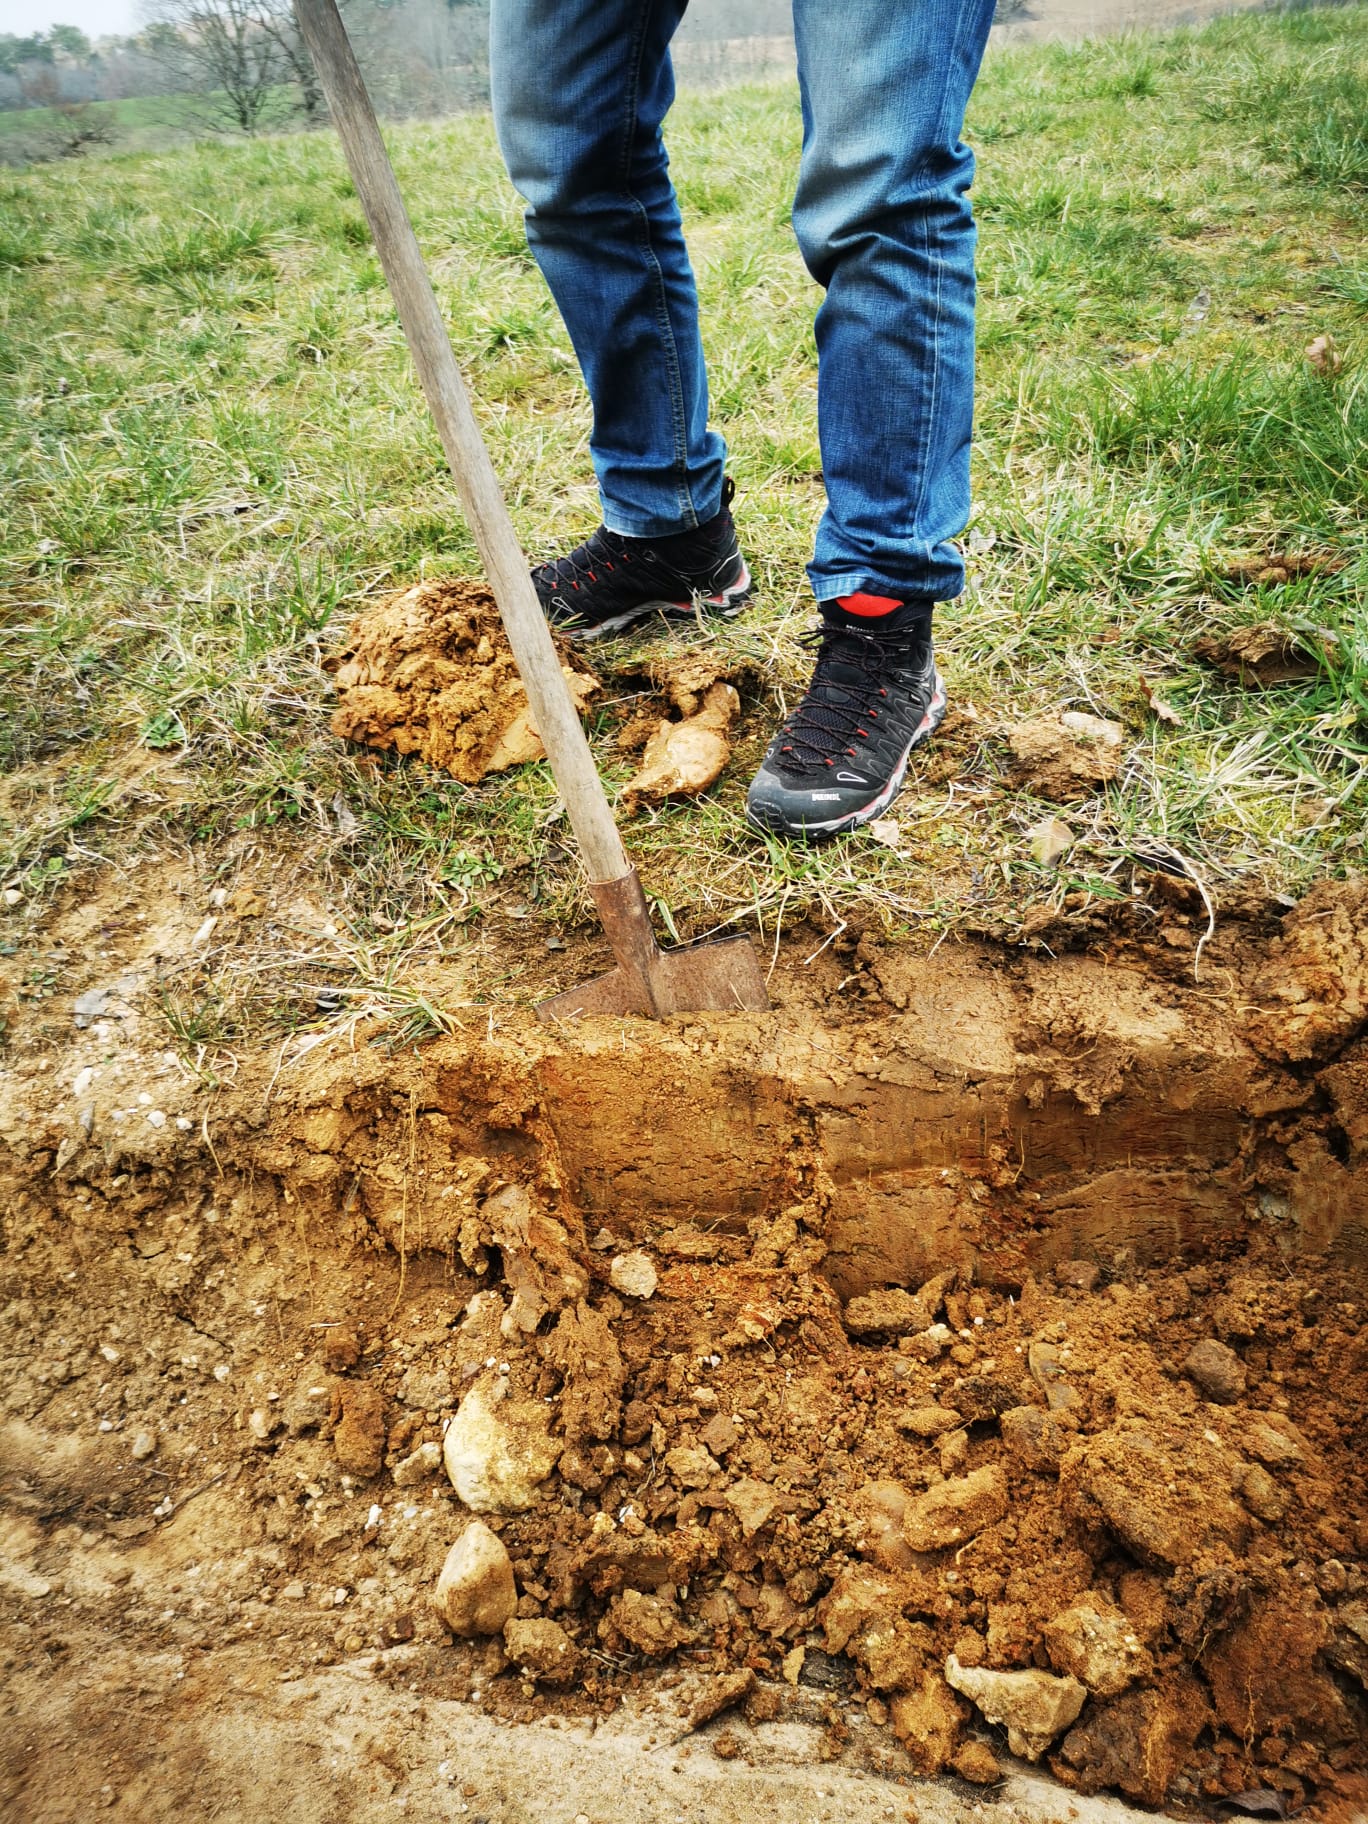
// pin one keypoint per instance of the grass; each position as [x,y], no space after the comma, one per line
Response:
[214,452]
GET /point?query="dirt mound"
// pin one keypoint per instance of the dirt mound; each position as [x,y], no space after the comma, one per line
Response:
[430,672]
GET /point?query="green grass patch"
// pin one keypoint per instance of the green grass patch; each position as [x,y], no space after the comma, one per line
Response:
[214,453]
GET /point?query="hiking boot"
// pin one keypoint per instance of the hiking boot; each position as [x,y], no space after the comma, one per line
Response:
[606,584]
[840,758]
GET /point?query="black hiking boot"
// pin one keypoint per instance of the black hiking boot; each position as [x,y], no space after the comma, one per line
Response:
[609,582]
[840,758]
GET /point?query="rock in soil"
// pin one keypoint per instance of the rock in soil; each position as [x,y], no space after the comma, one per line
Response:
[633,1275]
[476,1593]
[498,1453]
[1216,1369]
[1032,1706]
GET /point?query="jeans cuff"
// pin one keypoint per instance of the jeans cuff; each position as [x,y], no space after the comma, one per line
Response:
[861,582]
[629,524]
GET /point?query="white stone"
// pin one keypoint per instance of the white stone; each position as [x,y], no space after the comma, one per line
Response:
[1033,1706]
[418,1465]
[476,1593]
[144,1445]
[497,1453]
[633,1275]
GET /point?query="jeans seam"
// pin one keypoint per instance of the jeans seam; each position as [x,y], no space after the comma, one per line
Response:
[929,411]
[683,495]
[942,128]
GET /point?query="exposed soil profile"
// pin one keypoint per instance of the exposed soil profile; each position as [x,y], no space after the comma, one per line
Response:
[975,1370]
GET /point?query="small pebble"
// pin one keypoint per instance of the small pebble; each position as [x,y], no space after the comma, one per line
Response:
[633,1275]
[1217,1370]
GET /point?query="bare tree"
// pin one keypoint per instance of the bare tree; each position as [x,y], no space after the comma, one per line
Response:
[230,55]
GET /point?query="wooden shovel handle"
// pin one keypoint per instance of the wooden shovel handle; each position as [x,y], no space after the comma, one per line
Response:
[571,762]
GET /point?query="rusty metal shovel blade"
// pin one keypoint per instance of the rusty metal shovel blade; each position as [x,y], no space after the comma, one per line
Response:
[723,976]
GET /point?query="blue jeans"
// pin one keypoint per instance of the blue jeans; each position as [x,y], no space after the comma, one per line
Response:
[581,89]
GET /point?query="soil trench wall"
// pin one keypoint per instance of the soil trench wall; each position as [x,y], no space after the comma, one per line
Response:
[1008,1118]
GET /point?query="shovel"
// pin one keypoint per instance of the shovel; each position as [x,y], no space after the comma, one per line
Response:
[722,975]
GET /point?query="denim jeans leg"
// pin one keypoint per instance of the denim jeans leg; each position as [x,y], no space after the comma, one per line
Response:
[883,220]
[580,91]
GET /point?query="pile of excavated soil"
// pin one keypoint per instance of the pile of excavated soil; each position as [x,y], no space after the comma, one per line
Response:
[430,672]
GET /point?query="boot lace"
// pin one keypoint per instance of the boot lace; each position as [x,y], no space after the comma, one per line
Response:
[602,552]
[848,695]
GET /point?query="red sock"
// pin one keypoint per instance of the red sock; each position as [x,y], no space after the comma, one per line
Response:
[868,607]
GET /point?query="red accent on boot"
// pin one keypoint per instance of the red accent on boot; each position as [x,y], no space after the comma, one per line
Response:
[870,607]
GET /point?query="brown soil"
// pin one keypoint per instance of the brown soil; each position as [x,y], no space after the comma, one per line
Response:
[934,1250]
[430,672]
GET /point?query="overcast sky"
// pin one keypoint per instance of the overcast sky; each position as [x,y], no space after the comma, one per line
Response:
[94,17]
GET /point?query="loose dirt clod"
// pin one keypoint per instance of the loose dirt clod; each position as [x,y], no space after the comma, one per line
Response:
[1065,756]
[954,1511]
[1095,1642]
[1266,654]
[430,672]
[1216,1370]
[682,759]
[977,1763]
[543,1649]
